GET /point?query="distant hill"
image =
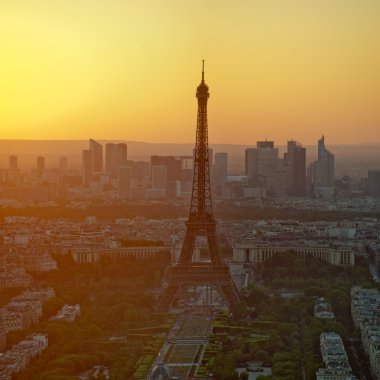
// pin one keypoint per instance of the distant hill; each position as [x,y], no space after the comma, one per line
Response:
[349,158]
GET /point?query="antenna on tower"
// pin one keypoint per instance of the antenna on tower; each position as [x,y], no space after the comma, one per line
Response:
[203,70]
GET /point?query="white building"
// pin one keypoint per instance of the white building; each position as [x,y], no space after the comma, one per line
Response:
[365,311]
[334,357]
[259,253]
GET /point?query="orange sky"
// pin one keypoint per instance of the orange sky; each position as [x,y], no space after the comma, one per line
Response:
[123,69]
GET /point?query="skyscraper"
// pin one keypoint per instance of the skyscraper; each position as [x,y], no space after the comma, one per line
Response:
[87,166]
[374,183]
[260,162]
[295,160]
[140,169]
[298,188]
[159,177]
[40,165]
[62,166]
[13,165]
[97,155]
[219,172]
[116,156]
[173,165]
[124,182]
[322,170]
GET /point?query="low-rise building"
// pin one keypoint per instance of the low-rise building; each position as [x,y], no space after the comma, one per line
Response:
[67,313]
[12,276]
[3,338]
[259,253]
[323,310]
[334,357]
[19,356]
[24,310]
[365,311]
[94,254]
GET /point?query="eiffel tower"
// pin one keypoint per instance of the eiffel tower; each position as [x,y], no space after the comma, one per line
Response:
[201,222]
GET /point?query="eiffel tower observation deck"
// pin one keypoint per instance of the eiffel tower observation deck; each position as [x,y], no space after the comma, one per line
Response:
[201,223]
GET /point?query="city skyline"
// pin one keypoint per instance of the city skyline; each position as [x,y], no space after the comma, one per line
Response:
[125,71]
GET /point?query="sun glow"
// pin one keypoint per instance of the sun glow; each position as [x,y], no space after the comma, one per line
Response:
[128,70]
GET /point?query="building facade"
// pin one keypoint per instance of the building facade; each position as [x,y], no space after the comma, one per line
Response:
[87,167]
[116,156]
[374,183]
[322,171]
[256,253]
[97,155]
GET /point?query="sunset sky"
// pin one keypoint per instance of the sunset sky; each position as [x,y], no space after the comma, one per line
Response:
[123,69]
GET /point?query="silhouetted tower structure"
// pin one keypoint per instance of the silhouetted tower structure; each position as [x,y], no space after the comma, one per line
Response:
[40,165]
[13,166]
[201,222]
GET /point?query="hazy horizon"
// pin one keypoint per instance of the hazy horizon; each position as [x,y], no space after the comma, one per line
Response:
[349,158]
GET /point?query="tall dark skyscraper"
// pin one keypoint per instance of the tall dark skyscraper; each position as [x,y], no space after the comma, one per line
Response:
[97,155]
[173,165]
[298,188]
[139,169]
[62,166]
[40,165]
[116,157]
[87,167]
[322,170]
[13,165]
[295,159]
[201,222]
[219,172]
[374,183]
[260,162]
[124,182]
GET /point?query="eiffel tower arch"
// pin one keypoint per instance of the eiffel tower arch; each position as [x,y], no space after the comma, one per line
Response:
[201,222]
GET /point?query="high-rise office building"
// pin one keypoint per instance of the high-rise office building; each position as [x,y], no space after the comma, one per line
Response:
[298,187]
[187,166]
[374,183]
[159,177]
[97,155]
[87,166]
[13,163]
[288,155]
[62,166]
[295,160]
[322,170]
[40,165]
[265,144]
[116,156]
[173,165]
[140,170]
[260,162]
[219,173]
[251,162]
[124,182]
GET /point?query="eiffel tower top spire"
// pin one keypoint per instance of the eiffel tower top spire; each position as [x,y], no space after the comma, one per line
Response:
[202,89]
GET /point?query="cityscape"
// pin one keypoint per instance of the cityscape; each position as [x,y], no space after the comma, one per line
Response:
[104,172]
[129,253]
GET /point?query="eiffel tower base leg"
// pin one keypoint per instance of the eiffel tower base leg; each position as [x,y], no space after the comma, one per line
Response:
[182,276]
